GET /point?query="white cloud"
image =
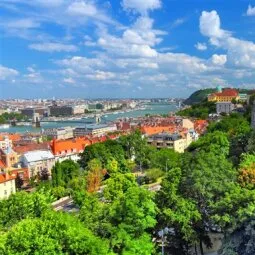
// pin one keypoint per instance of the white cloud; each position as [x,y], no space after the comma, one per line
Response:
[87,9]
[178,22]
[210,25]
[219,59]
[141,6]
[201,46]
[82,8]
[69,80]
[250,11]
[53,47]
[22,24]
[101,75]
[240,53]
[6,73]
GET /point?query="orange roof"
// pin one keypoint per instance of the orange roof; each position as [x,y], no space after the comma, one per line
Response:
[31,147]
[157,129]
[227,93]
[13,137]
[6,178]
[77,144]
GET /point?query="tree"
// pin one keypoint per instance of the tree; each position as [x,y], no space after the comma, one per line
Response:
[54,233]
[216,142]
[19,182]
[241,241]
[22,205]
[112,166]
[164,159]
[247,171]
[95,175]
[131,215]
[64,172]
[118,185]
[177,212]
[153,174]
[96,151]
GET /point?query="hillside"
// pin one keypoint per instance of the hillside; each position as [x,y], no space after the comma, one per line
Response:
[199,96]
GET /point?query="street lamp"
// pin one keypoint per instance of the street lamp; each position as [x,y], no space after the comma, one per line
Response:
[166,164]
[162,234]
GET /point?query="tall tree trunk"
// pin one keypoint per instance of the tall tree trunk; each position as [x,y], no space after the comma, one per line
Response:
[201,247]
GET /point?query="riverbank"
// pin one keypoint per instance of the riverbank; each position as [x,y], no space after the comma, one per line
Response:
[149,109]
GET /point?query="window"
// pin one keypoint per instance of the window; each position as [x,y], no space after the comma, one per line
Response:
[5,192]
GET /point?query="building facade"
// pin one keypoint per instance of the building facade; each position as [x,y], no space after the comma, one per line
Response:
[94,130]
[59,133]
[224,107]
[167,140]
[7,185]
[227,95]
[37,162]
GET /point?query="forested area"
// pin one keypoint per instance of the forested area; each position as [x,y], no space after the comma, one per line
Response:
[208,189]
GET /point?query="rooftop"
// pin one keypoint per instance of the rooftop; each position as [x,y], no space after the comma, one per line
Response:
[38,155]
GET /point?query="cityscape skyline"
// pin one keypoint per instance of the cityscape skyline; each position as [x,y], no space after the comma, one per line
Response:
[126,49]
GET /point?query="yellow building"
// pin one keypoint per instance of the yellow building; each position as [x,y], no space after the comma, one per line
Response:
[227,95]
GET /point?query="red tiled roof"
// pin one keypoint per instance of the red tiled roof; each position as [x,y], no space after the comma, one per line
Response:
[227,93]
[77,144]
[31,147]
[5,178]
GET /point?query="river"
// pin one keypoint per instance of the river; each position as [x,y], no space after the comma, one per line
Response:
[152,109]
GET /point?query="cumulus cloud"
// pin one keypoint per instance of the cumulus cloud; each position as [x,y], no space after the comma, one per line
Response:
[250,11]
[201,46]
[219,59]
[141,6]
[240,53]
[7,73]
[101,75]
[69,80]
[53,47]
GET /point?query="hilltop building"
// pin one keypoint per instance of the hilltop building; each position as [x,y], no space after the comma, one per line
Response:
[226,95]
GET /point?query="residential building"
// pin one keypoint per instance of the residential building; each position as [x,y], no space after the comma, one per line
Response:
[69,149]
[94,130]
[59,133]
[61,110]
[30,112]
[243,97]
[224,107]
[187,123]
[7,185]
[167,140]
[38,161]
[226,95]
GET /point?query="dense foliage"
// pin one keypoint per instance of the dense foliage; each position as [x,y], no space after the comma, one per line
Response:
[201,110]
[7,117]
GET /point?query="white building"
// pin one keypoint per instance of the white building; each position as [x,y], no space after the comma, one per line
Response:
[94,129]
[59,133]
[7,185]
[224,107]
[38,161]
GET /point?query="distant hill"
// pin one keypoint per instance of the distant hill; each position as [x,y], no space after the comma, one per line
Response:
[199,96]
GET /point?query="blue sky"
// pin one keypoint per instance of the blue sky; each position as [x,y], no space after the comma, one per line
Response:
[125,48]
